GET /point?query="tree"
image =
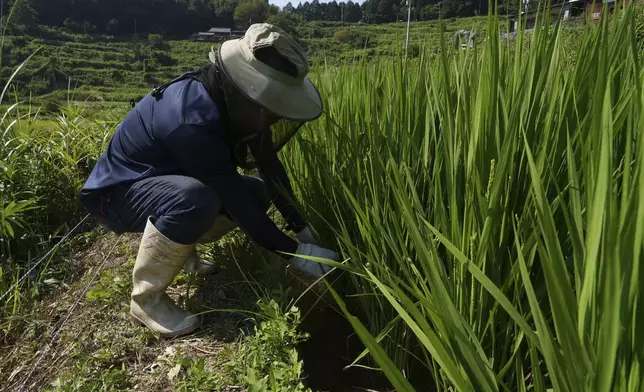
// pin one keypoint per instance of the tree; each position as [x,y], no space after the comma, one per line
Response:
[352,12]
[289,7]
[156,40]
[51,12]
[88,27]
[112,26]
[306,10]
[199,6]
[52,67]
[317,10]
[370,9]
[180,18]
[454,8]
[431,11]
[23,19]
[251,11]
[333,11]
[287,21]
[225,8]
[510,7]
[386,10]
[70,24]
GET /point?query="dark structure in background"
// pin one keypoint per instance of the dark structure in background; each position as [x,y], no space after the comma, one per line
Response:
[217,34]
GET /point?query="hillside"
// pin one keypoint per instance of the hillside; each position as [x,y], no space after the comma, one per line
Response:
[108,72]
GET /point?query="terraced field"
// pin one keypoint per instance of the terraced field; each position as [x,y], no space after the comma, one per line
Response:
[100,70]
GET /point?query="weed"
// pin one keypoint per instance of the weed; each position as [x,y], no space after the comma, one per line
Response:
[191,374]
[110,380]
[267,360]
[112,286]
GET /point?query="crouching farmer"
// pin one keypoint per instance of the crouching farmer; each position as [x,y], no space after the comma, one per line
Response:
[170,170]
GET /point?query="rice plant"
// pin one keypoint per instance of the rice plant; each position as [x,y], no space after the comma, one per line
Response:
[489,206]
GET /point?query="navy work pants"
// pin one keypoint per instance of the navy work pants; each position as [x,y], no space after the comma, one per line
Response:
[183,207]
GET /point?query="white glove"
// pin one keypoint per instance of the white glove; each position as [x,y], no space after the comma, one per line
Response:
[309,266]
[306,237]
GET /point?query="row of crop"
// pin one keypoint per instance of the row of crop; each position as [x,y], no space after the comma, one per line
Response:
[489,209]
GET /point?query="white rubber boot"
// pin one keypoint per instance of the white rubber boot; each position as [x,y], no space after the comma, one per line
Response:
[220,228]
[157,263]
[199,266]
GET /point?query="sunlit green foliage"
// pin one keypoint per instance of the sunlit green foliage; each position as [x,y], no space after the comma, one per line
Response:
[489,206]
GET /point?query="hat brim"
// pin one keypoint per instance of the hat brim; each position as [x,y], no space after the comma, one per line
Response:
[294,102]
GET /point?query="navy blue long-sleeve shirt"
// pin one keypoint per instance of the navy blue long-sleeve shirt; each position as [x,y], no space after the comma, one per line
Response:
[182,133]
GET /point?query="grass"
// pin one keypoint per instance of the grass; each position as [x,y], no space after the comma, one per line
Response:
[487,204]
[43,164]
[99,349]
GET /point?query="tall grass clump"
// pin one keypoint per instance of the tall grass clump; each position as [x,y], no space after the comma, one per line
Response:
[490,208]
[43,164]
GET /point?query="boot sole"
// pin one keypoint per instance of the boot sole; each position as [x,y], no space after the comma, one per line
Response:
[138,322]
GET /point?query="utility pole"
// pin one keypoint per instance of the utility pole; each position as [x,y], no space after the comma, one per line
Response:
[342,13]
[408,24]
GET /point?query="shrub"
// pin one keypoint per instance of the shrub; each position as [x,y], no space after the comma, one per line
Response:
[162,58]
[288,22]
[115,74]
[48,162]
[359,39]
[112,26]
[413,50]
[342,36]
[149,78]
[38,85]
[268,360]
[51,105]
[19,41]
[155,40]
[310,30]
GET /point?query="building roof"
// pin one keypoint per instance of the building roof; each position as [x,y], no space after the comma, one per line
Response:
[225,30]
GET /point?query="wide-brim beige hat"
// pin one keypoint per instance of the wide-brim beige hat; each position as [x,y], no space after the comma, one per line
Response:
[290,97]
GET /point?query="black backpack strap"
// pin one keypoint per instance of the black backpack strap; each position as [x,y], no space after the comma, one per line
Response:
[157,92]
